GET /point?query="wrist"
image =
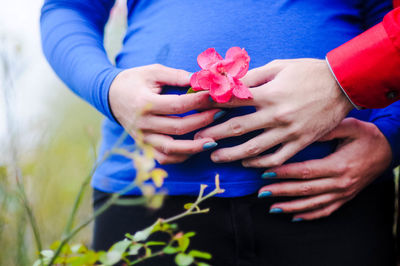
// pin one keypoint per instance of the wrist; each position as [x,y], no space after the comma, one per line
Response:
[344,99]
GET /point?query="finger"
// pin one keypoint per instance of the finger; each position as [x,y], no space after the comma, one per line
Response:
[179,104]
[300,188]
[258,76]
[306,170]
[168,145]
[347,128]
[172,125]
[234,127]
[251,148]
[305,204]
[162,158]
[164,75]
[285,152]
[320,213]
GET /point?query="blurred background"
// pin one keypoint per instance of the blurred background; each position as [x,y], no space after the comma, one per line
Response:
[48,137]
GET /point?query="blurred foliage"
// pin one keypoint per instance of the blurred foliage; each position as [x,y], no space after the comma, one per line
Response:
[53,174]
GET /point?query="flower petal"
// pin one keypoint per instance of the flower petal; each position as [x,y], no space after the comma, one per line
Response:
[221,91]
[202,80]
[241,91]
[238,62]
[208,57]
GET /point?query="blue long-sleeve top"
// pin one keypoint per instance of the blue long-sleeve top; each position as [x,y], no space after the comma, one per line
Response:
[173,33]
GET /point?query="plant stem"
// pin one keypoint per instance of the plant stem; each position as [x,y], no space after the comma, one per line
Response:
[146,258]
[192,210]
[99,211]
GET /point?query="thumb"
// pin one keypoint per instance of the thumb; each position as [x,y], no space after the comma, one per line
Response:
[348,128]
[264,74]
[170,76]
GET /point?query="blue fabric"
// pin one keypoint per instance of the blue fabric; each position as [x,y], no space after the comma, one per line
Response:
[173,33]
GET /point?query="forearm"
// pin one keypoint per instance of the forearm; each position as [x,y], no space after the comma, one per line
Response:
[72,40]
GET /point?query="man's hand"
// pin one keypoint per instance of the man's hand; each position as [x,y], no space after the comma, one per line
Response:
[297,102]
[326,184]
[137,105]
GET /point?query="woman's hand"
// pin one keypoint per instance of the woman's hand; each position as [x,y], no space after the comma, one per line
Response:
[326,184]
[297,102]
[137,105]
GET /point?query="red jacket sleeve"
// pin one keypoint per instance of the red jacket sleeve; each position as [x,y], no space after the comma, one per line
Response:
[368,66]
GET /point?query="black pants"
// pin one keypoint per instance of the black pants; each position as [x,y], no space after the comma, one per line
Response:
[240,231]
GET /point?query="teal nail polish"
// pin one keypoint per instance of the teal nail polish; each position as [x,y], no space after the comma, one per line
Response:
[268,175]
[297,219]
[264,194]
[219,115]
[209,145]
[210,99]
[275,210]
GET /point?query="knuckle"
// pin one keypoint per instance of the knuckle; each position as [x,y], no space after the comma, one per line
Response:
[156,67]
[177,129]
[345,184]
[275,62]
[236,127]
[274,161]
[253,149]
[349,193]
[306,172]
[342,167]
[306,189]
[177,107]
[282,117]
[165,149]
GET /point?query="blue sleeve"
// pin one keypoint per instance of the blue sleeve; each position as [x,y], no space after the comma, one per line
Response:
[388,122]
[373,11]
[72,40]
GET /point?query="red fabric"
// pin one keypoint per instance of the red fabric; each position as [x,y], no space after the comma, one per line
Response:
[368,66]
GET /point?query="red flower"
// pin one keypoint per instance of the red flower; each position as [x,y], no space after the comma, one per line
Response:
[221,76]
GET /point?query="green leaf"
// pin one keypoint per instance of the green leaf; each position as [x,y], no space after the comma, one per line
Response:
[155,243]
[200,254]
[189,234]
[148,252]
[116,252]
[112,257]
[170,250]
[183,259]
[156,201]
[129,236]
[134,250]
[143,235]
[187,206]
[183,243]
[202,264]
[78,248]
[173,226]
[121,246]
[47,253]
[190,90]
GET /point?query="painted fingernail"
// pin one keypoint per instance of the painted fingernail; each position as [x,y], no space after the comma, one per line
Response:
[219,115]
[297,219]
[209,145]
[275,210]
[210,99]
[264,194]
[268,175]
